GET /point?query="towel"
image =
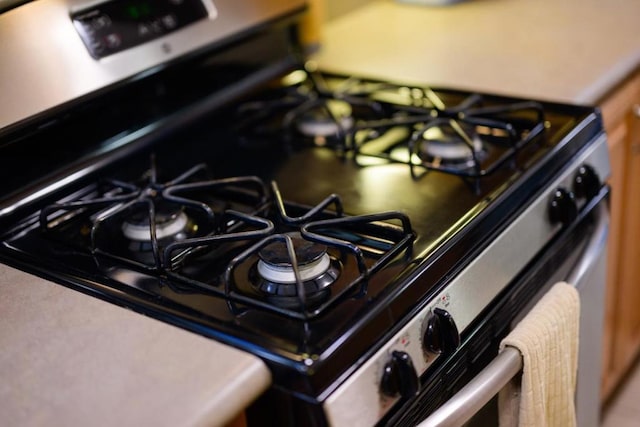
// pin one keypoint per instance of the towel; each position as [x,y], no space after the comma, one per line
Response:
[547,338]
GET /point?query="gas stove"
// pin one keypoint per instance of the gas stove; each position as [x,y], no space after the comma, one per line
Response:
[322,222]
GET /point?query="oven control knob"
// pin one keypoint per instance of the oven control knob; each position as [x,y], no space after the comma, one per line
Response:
[586,183]
[399,377]
[563,208]
[440,332]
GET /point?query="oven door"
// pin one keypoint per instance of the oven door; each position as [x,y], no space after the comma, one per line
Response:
[583,265]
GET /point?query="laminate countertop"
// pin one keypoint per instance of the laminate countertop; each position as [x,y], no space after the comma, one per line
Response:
[69,359]
[571,51]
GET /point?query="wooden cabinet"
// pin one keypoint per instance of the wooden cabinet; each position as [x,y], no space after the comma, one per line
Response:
[311,25]
[621,113]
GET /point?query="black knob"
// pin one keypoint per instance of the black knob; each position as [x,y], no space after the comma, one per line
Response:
[399,376]
[586,183]
[563,208]
[440,333]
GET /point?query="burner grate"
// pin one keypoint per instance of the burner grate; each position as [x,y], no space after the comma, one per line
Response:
[307,111]
[145,224]
[360,245]
[502,130]
[206,236]
[375,123]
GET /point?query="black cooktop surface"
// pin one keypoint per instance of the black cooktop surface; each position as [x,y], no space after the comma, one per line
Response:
[304,221]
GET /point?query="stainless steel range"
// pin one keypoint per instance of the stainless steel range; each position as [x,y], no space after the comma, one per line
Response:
[371,241]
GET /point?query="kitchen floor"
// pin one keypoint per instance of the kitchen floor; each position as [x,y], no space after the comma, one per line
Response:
[623,410]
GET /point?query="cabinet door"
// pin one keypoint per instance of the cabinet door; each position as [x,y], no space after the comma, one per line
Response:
[617,144]
[627,339]
[622,316]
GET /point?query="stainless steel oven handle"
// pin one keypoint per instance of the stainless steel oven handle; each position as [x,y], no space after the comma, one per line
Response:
[473,396]
[480,390]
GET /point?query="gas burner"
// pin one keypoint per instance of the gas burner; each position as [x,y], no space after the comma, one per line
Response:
[450,146]
[274,275]
[155,225]
[311,109]
[170,225]
[332,117]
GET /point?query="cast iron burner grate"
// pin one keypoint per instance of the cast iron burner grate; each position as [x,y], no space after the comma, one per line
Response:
[308,111]
[377,122]
[207,236]
[141,223]
[499,130]
[359,246]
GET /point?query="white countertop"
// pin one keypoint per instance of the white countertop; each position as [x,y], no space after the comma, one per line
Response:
[69,359]
[569,51]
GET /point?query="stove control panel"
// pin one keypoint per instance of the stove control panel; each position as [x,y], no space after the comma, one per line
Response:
[121,24]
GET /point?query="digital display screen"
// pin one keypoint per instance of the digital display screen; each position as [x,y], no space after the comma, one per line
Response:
[139,10]
[121,24]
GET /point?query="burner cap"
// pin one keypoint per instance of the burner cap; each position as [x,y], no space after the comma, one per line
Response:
[319,123]
[445,145]
[168,224]
[275,264]
[273,274]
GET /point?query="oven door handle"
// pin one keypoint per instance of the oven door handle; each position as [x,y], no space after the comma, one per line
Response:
[488,383]
[480,390]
